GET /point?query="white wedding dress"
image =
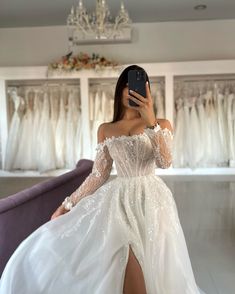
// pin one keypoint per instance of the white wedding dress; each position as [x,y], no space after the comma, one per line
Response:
[85,251]
[14,131]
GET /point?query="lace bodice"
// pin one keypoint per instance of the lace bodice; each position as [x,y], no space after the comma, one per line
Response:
[134,155]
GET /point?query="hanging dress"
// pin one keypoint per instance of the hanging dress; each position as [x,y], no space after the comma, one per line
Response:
[178,146]
[46,147]
[14,131]
[24,156]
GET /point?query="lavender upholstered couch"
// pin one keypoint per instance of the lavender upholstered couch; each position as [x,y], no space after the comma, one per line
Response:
[25,211]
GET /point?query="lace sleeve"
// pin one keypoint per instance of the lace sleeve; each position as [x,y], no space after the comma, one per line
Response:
[99,175]
[162,141]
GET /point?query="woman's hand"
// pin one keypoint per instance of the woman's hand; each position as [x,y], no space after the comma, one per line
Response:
[59,211]
[145,107]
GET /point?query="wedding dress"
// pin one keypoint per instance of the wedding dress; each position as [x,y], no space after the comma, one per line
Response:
[78,138]
[46,145]
[54,109]
[202,130]
[14,132]
[230,116]
[98,119]
[37,114]
[70,131]
[223,132]
[160,104]
[85,251]
[60,133]
[178,156]
[25,154]
[194,126]
[188,145]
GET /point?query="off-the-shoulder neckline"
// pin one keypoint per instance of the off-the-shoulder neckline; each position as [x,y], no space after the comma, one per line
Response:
[134,136]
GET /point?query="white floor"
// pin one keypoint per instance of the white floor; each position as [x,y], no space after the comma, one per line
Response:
[207,212]
[206,207]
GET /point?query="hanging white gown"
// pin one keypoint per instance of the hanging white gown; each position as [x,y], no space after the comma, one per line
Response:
[160,104]
[232,161]
[37,113]
[223,130]
[77,126]
[60,133]
[98,119]
[14,131]
[202,131]
[71,122]
[187,146]
[85,251]
[78,142]
[230,117]
[92,118]
[195,139]
[25,153]
[208,128]
[91,106]
[54,109]
[217,150]
[178,155]
[78,139]
[46,147]
[110,107]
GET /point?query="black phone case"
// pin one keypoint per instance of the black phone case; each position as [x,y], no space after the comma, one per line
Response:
[137,83]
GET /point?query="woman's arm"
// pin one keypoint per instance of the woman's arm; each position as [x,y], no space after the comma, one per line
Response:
[99,175]
[158,130]
[161,137]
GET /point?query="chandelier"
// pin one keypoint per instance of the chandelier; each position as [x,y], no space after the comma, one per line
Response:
[99,26]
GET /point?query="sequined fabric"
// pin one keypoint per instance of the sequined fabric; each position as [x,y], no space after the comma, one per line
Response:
[134,155]
[85,251]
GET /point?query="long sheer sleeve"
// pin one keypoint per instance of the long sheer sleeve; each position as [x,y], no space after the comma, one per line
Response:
[162,141]
[99,175]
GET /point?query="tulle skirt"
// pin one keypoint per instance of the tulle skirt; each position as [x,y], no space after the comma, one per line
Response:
[86,250]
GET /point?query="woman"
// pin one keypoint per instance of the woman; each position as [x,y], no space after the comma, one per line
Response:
[117,236]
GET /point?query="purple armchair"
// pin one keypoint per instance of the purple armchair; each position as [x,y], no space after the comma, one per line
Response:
[25,211]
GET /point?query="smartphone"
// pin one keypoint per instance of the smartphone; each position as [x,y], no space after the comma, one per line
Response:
[136,82]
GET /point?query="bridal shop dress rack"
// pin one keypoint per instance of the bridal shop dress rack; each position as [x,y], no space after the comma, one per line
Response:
[196,97]
[204,122]
[45,126]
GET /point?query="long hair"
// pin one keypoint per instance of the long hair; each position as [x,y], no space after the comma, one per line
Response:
[121,84]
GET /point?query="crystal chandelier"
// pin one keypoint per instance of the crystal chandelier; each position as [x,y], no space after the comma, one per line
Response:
[99,26]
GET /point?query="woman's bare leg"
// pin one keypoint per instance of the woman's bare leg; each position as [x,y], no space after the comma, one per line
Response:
[134,279]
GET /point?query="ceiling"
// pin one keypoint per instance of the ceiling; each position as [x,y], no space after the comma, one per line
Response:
[24,13]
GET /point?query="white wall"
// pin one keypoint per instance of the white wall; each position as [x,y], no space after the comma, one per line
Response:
[152,42]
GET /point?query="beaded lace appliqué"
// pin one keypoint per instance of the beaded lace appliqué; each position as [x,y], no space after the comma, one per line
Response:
[162,140]
[133,157]
[99,175]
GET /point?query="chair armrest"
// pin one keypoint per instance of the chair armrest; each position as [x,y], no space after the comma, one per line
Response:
[23,212]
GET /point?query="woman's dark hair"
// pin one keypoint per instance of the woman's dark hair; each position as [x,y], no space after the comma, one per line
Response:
[121,84]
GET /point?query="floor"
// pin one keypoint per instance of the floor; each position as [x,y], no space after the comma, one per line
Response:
[206,207]
[9,186]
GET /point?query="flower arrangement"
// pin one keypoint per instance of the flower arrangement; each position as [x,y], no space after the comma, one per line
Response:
[70,63]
